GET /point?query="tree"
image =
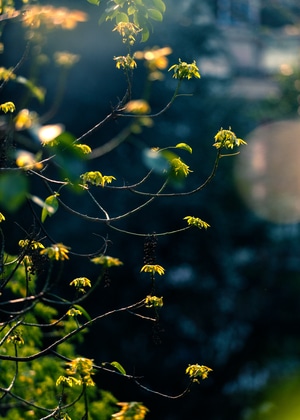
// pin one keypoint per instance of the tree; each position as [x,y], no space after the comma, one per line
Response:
[46,169]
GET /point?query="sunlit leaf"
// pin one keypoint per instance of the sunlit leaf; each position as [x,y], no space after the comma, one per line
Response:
[119,367]
[184,146]
[96,2]
[50,207]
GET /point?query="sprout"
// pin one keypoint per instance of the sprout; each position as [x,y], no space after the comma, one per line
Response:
[153,268]
[7,107]
[227,139]
[195,221]
[184,70]
[197,371]
[58,252]
[107,261]
[153,302]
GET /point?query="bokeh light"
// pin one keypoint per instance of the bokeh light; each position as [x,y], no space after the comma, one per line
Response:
[267,172]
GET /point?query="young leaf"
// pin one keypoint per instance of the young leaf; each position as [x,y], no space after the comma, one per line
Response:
[119,367]
[184,146]
[96,2]
[50,207]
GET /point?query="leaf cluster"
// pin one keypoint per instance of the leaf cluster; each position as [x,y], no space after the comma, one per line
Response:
[134,15]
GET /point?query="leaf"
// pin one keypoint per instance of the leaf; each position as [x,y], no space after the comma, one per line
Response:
[96,2]
[118,367]
[184,146]
[50,207]
[83,311]
[160,5]
[122,17]
[131,10]
[145,34]
[37,200]
[68,157]
[155,15]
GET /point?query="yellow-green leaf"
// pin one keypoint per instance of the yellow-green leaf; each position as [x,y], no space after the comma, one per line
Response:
[50,207]
[118,367]
[184,146]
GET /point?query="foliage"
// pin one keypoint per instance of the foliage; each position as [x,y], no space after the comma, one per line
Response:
[42,374]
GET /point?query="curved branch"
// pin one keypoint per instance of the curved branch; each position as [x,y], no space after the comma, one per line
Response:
[162,111]
[186,193]
[130,377]
[109,219]
[172,397]
[147,234]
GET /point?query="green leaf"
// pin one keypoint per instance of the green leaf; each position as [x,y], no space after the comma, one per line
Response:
[83,311]
[131,10]
[96,2]
[160,5]
[155,15]
[122,17]
[184,146]
[118,367]
[50,207]
[145,34]
[68,158]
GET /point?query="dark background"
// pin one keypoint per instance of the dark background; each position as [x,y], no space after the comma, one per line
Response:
[231,293]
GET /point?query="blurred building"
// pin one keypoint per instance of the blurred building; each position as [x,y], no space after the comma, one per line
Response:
[259,39]
[237,11]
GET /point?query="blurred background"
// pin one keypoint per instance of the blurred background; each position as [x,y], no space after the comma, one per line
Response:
[231,293]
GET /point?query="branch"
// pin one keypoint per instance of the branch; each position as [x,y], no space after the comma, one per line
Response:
[109,117]
[172,397]
[130,377]
[69,335]
[186,193]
